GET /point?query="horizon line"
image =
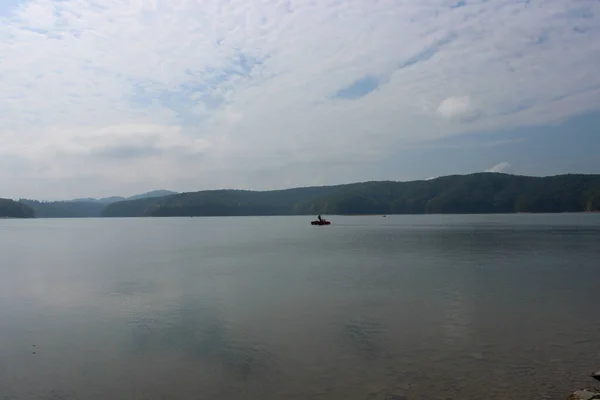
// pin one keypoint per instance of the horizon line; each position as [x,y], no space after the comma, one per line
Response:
[91,199]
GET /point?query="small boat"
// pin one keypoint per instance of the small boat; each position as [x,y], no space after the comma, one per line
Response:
[322,222]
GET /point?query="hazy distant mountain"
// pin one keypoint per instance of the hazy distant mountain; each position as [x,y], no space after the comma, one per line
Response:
[105,200]
[114,199]
[154,193]
[83,207]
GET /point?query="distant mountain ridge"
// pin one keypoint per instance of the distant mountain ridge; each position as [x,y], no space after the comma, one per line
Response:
[114,199]
[486,192]
[83,207]
[479,193]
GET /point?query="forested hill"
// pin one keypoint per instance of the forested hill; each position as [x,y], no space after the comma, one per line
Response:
[65,209]
[13,209]
[221,202]
[83,207]
[114,199]
[475,193]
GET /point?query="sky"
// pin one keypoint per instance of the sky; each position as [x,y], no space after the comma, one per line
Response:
[118,97]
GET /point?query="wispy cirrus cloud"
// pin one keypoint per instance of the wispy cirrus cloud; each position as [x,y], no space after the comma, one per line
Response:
[215,93]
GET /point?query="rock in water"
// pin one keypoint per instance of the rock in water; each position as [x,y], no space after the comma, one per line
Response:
[596,375]
[584,395]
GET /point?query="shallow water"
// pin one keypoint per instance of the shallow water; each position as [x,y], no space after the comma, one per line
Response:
[436,307]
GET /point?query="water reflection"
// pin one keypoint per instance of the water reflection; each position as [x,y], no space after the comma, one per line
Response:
[392,309]
[134,288]
[198,332]
[59,395]
[363,337]
[457,322]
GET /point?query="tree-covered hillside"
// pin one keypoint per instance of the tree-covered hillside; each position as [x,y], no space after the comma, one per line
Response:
[65,209]
[13,209]
[220,202]
[475,193]
[82,207]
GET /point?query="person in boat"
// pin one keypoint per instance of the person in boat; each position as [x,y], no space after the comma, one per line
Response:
[319,218]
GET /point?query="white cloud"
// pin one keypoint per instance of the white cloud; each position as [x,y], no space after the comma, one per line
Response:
[458,106]
[503,167]
[242,93]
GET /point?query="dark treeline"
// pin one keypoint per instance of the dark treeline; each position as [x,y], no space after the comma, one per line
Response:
[456,194]
[13,209]
[65,209]
[221,202]
[82,208]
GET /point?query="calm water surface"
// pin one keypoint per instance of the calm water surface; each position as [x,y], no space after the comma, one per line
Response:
[415,307]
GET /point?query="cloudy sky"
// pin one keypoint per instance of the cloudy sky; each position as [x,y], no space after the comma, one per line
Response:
[117,97]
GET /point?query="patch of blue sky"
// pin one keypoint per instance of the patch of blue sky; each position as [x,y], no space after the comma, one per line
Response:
[592,88]
[359,88]
[7,7]
[428,52]
[458,4]
[370,83]
[583,12]
[181,100]
[198,92]
[525,105]
[549,149]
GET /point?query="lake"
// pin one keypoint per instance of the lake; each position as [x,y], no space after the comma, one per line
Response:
[403,307]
